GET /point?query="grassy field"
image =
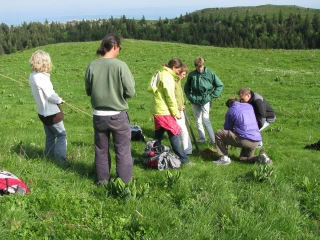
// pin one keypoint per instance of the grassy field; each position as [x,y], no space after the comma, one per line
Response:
[239,201]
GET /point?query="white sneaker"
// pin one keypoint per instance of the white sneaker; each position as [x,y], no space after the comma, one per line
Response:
[223,160]
[264,159]
[202,140]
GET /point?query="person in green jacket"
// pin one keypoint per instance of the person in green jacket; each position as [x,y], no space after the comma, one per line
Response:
[201,87]
[109,83]
[164,106]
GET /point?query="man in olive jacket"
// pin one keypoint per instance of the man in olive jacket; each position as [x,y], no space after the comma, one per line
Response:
[109,82]
[201,87]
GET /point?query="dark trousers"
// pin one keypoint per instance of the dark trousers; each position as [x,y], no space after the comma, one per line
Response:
[175,141]
[119,126]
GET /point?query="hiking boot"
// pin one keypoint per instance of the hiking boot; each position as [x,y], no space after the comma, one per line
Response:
[223,160]
[264,159]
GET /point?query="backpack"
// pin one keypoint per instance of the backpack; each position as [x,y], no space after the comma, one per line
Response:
[158,156]
[10,183]
[136,133]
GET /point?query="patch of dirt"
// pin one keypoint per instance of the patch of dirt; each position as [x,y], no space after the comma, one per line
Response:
[209,154]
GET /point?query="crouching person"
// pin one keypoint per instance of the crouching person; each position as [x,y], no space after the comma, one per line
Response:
[240,130]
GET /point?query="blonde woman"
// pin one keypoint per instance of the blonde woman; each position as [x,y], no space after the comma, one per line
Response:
[185,138]
[47,103]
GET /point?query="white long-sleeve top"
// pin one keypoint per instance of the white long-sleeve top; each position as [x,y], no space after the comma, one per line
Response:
[45,97]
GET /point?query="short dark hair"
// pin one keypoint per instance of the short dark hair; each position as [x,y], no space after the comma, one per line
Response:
[107,43]
[230,101]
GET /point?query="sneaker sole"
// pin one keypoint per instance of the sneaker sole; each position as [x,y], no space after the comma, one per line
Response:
[219,164]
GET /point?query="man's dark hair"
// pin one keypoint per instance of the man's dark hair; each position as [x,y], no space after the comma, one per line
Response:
[107,43]
[230,101]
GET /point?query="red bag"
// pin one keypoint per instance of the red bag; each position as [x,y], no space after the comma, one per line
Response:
[10,183]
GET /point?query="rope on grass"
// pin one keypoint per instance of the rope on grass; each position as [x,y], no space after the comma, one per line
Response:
[68,104]
[11,78]
[77,109]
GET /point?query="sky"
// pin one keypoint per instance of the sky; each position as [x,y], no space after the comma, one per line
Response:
[15,12]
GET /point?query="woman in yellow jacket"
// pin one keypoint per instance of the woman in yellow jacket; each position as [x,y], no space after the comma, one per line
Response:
[164,106]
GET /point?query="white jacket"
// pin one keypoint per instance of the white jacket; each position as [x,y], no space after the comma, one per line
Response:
[43,93]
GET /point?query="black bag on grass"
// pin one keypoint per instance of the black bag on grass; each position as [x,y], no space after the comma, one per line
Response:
[136,133]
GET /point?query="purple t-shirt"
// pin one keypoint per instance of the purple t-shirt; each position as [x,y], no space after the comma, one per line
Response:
[241,119]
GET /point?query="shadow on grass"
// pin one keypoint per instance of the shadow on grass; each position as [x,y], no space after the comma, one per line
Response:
[137,155]
[208,154]
[246,178]
[30,152]
[81,144]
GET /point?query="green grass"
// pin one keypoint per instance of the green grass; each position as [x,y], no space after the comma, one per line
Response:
[206,201]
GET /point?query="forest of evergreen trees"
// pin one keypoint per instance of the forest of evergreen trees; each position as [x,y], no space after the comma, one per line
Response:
[255,31]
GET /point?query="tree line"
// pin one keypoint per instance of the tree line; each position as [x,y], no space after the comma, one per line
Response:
[253,31]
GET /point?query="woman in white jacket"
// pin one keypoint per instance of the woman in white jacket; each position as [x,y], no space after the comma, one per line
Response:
[47,102]
[185,138]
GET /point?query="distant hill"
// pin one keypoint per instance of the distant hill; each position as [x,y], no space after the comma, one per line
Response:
[261,27]
[268,9]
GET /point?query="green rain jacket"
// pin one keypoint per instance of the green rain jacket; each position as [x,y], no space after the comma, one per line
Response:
[201,88]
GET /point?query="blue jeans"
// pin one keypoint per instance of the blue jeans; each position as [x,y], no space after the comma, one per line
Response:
[119,126]
[56,141]
[175,141]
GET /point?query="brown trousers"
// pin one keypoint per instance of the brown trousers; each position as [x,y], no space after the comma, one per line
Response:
[225,138]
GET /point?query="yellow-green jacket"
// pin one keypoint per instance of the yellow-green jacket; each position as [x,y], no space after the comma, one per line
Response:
[179,94]
[162,87]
